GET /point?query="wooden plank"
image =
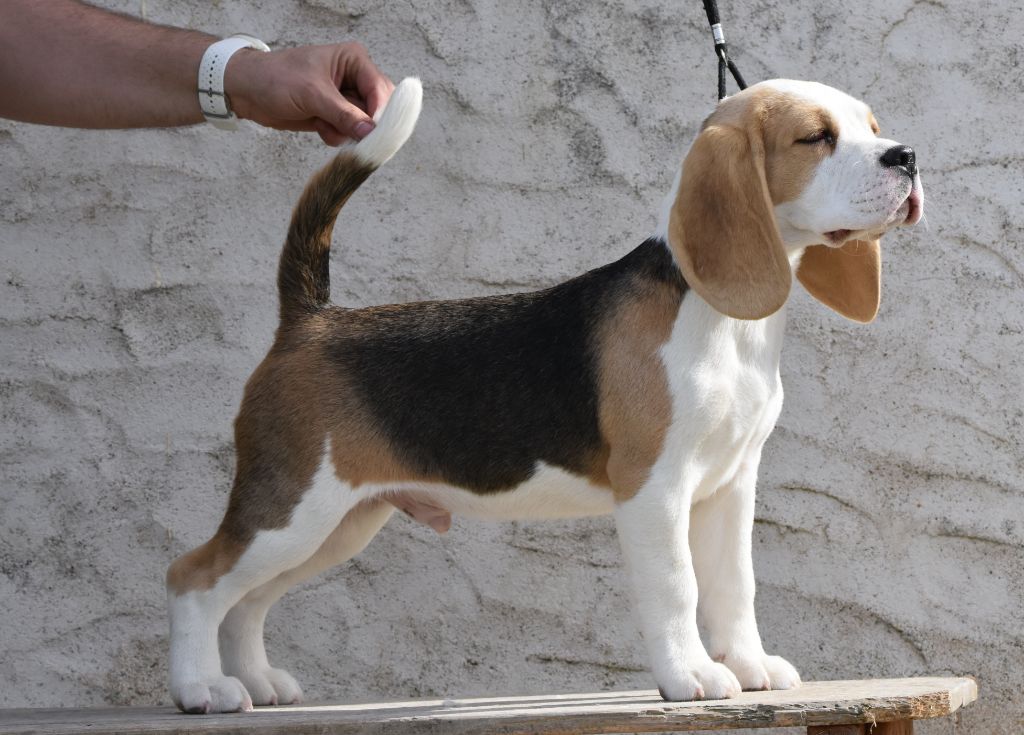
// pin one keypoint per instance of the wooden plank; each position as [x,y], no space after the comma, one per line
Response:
[814,704]
[896,727]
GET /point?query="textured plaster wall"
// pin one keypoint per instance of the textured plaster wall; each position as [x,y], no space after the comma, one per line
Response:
[137,294]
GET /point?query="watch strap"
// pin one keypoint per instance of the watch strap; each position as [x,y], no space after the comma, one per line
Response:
[212,99]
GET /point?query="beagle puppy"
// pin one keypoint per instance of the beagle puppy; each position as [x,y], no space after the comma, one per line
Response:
[644,389]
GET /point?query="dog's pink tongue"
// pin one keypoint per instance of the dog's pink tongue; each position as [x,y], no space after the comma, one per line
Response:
[421,509]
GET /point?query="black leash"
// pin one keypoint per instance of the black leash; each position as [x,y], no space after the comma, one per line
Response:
[721,50]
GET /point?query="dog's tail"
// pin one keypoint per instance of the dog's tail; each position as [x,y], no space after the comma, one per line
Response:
[303,275]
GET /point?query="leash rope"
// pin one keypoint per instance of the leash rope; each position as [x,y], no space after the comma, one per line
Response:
[721,49]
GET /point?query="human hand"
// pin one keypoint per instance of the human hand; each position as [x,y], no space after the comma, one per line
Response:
[334,90]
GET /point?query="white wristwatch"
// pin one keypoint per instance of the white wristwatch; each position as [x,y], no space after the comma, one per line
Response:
[212,100]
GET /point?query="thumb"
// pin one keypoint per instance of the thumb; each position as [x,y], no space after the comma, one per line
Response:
[327,133]
[344,117]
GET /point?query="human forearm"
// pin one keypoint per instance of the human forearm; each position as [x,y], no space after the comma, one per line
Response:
[66,63]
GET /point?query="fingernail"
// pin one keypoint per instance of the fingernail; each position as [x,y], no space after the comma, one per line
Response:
[363,129]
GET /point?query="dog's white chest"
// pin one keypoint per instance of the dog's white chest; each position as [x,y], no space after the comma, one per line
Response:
[726,393]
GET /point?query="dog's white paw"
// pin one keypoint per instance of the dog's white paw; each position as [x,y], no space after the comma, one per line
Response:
[781,673]
[218,694]
[758,671]
[705,680]
[271,686]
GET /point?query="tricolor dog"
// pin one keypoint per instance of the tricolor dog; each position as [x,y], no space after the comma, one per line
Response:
[644,389]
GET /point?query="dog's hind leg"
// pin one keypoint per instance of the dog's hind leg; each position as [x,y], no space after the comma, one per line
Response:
[241,634]
[247,552]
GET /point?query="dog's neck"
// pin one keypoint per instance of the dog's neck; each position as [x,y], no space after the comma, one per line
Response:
[703,329]
[761,337]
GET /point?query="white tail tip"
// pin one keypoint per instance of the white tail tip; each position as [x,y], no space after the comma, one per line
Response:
[394,124]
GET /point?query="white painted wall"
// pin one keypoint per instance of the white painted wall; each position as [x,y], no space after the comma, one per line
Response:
[137,294]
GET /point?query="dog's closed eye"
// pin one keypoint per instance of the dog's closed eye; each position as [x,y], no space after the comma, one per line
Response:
[820,136]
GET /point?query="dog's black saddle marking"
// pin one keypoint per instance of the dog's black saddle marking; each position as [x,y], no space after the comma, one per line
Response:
[478,391]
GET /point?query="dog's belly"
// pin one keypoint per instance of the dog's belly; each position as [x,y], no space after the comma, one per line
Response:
[550,493]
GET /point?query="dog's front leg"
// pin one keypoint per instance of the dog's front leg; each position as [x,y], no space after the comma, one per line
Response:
[653,530]
[720,537]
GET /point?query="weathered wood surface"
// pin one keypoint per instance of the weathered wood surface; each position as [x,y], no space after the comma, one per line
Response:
[901,727]
[813,704]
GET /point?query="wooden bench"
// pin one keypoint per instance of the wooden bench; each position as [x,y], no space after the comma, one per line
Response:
[877,706]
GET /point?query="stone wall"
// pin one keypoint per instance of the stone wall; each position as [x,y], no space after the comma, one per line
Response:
[137,294]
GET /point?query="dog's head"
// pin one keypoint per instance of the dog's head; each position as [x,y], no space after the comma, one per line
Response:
[780,167]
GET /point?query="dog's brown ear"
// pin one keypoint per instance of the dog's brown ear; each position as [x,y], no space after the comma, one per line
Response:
[722,227]
[847,279]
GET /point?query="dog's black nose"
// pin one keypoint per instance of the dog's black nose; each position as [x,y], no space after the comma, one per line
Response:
[900,156]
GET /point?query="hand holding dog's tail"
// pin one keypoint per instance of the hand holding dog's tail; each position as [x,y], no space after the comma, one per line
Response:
[303,276]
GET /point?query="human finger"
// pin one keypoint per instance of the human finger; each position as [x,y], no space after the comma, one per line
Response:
[376,92]
[328,133]
[346,118]
[358,73]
